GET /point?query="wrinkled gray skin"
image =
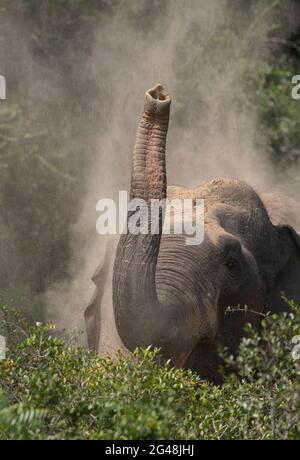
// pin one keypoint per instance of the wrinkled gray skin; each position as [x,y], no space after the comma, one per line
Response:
[174,296]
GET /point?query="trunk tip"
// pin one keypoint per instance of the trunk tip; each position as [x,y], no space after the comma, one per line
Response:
[157,100]
[159,93]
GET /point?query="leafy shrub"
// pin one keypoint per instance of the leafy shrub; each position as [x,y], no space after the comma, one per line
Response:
[52,389]
[278,112]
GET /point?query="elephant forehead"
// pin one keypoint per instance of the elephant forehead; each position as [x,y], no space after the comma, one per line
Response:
[233,192]
[252,226]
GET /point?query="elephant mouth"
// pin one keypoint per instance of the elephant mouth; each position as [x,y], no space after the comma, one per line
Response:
[204,360]
[182,360]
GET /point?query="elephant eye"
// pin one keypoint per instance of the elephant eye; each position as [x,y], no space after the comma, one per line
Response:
[232,264]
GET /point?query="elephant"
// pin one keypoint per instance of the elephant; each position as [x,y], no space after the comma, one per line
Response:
[175,296]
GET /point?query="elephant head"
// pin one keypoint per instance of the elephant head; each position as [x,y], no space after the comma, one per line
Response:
[175,296]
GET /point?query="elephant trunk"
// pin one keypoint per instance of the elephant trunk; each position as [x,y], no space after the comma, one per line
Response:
[136,306]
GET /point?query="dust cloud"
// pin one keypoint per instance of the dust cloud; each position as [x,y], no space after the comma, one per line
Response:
[213,130]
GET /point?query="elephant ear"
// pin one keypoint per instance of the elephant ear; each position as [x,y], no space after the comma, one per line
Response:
[285,216]
[101,330]
[287,280]
[93,313]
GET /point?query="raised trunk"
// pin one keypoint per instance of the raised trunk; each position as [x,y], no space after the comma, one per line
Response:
[136,306]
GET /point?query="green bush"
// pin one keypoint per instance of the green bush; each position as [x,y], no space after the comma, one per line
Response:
[278,112]
[51,389]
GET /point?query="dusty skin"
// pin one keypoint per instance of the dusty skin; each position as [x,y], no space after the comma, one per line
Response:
[175,296]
